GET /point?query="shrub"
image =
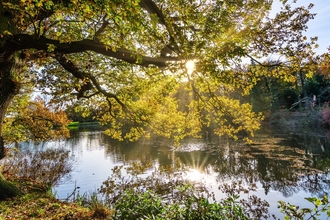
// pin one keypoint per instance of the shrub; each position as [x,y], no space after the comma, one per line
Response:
[325,117]
[165,194]
[44,168]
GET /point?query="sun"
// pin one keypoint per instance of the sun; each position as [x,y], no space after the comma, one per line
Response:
[190,65]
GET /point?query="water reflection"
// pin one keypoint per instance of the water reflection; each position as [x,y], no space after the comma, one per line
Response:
[283,166]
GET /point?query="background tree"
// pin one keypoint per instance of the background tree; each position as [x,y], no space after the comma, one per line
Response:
[128,58]
[297,60]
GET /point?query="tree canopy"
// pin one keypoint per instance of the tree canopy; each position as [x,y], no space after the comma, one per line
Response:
[126,58]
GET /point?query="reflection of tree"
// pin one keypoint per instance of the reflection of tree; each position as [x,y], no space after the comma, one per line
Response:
[272,162]
[316,184]
[317,147]
[277,167]
[272,174]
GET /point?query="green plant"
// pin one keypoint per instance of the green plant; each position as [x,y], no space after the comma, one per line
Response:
[321,205]
[136,205]
[165,194]
[149,205]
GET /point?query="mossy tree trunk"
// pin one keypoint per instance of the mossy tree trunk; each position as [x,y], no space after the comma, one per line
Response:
[10,64]
[9,88]
[7,189]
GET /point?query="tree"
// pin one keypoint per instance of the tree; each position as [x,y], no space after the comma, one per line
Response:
[297,58]
[33,121]
[127,58]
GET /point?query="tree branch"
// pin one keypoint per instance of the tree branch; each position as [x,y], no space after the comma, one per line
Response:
[25,41]
[102,28]
[276,64]
[152,8]
[74,70]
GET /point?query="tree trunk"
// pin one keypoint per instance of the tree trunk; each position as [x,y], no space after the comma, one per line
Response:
[9,67]
[303,87]
[7,189]
[8,89]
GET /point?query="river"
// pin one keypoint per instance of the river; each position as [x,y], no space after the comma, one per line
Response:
[284,166]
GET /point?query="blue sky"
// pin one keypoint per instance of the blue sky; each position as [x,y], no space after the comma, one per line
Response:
[320,25]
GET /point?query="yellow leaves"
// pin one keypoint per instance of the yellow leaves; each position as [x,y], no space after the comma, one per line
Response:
[309,74]
[51,47]
[134,134]
[114,133]
[75,2]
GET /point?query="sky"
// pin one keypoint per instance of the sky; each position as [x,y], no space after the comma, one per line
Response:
[320,25]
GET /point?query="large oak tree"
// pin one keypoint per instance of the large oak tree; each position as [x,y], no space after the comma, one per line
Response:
[127,59]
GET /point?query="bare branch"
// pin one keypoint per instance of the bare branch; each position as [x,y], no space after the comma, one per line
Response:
[76,72]
[102,28]
[277,64]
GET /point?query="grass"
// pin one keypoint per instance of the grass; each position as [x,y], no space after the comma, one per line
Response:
[41,205]
[73,124]
[77,124]
[36,205]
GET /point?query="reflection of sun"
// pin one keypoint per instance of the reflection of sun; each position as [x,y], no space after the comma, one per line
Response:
[195,175]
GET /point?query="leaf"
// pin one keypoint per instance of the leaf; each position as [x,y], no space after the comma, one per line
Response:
[6,32]
[51,47]
[311,199]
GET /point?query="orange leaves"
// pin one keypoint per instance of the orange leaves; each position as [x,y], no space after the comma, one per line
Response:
[37,122]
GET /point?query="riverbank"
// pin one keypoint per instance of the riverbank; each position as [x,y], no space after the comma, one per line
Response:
[33,174]
[43,205]
[38,203]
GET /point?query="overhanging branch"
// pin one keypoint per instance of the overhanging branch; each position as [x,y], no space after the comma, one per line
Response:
[93,83]
[25,41]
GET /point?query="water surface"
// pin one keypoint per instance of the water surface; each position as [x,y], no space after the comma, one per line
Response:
[285,167]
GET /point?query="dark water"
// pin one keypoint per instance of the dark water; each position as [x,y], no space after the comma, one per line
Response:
[286,167]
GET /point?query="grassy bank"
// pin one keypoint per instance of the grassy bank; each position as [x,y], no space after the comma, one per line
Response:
[35,201]
[42,205]
[34,173]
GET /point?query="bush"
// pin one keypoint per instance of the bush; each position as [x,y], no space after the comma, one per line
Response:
[44,168]
[325,117]
[165,194]
[149,205]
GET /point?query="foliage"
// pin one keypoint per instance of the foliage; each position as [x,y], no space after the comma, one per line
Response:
[166,194]
[271,93]
[33,120]
[319,85]
[288,97]
[321,205]
[149,205]
[126,60]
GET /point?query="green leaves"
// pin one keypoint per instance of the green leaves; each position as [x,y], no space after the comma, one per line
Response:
[127,58]
[165,195]
[321,205]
